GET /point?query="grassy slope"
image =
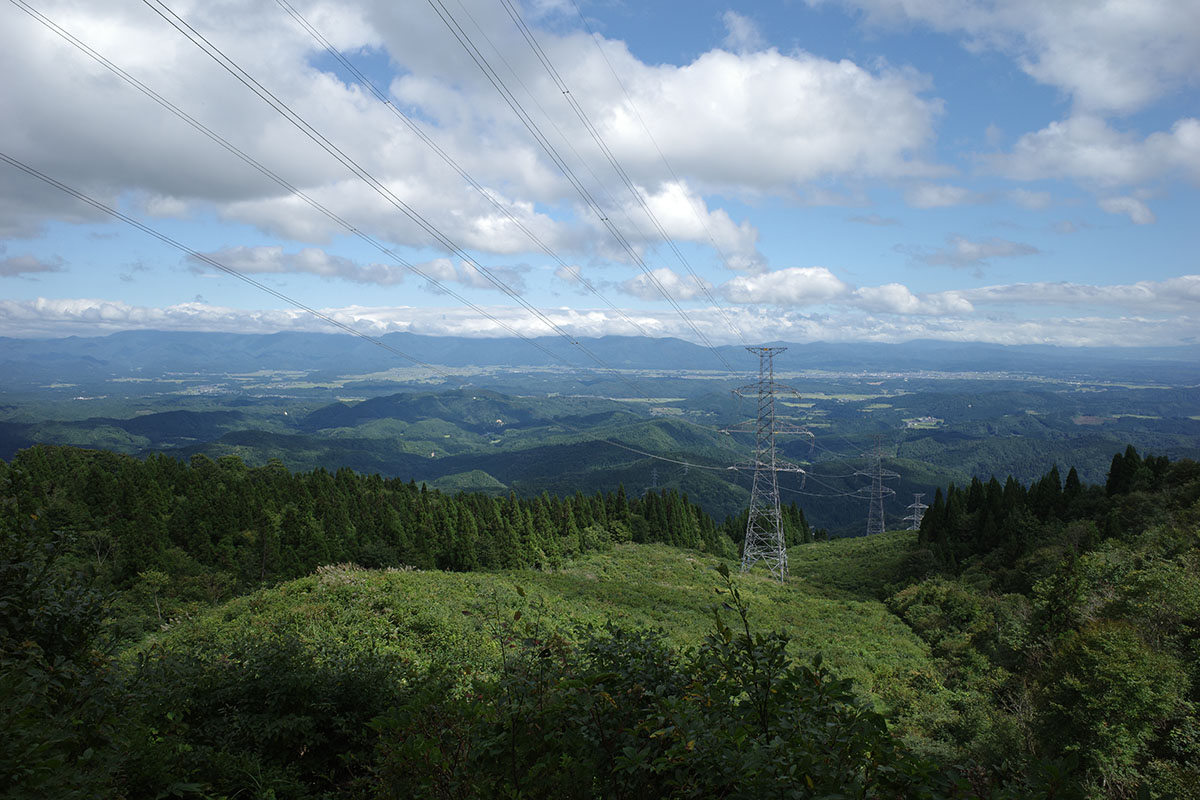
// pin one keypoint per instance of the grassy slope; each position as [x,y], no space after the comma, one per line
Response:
[829,606]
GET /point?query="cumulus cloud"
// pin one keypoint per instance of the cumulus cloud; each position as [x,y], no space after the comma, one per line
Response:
[310,260]
[272,259]
[685,216]
[741,33]
[446,270]
[795,286]
[743,123]
[1088,149]
[961,252]
[90,317]
[677,286]
[1108,56]
[817,286]
[1034,201]
[1173,294]
[1137,211]
[28,264]
[895,298]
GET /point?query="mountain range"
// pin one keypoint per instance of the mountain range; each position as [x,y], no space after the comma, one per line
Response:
[29,362]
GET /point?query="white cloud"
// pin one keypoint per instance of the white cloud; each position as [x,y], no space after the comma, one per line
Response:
[685,216]
[1173,294]
[932,195]
[895,298]
[27,264]
[768,122]
[1088,149]
[743,123]
[795,286]
[570,274]
[1034,201]
[963,252]
[310,260]
[676,285]
[445,270]
[1138,211]
[272,259]
[742,33]
[1108,55]
[91,317]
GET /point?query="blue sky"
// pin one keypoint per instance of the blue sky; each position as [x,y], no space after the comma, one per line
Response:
[841,170]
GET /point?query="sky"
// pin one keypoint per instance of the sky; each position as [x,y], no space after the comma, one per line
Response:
[1015,172]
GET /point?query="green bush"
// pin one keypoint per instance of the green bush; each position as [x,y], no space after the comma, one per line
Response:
[1106,695]
[622,714]
[58,694]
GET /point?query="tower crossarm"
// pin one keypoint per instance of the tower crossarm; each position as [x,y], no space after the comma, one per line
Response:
[779,466]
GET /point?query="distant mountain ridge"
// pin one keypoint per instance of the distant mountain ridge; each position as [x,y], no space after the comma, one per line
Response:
[154,353]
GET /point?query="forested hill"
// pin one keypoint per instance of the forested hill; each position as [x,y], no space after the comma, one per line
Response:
[1036,640]
[204,530]
[1069,614]
[150,353]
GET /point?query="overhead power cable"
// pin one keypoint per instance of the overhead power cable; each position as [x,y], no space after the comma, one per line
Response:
[533,43]
[633,107]
[599,184]
[510,99]
[247,80]
[266,171]
[262,169]
[168,240]
[420,133]
[165,239]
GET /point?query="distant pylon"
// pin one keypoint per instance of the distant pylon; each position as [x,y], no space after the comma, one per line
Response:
[918,512]
[764,527]
[877,474]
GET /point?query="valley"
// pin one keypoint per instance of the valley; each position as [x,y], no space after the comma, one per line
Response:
[500,427]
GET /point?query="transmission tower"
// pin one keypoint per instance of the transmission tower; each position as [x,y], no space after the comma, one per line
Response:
[917,510]
[653,481]
[878,492]
[764,527]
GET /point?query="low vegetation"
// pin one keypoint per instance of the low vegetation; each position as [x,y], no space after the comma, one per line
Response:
[1029,641]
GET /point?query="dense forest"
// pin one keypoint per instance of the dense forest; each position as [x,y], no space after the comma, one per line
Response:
[1070,615]
[203,531]
[1064,617]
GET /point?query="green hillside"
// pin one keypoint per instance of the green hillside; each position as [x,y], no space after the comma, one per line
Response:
[189,630]
[419,614]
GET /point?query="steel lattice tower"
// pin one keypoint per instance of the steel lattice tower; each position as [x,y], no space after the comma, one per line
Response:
[918,513]
[877,474]
[764,528]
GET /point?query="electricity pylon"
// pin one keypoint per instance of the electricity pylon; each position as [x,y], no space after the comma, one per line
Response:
[918,512]
[877,474]
[764,527]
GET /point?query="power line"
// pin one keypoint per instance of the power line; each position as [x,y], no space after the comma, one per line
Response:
[286,185]
[464,39]
[247,80]
[249,160]
[266,171]
[918,512]
[33,172]
[294,190]
[764,523]
[162,237]
[420,133]
[633,107]
[876,521]
[612,159]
